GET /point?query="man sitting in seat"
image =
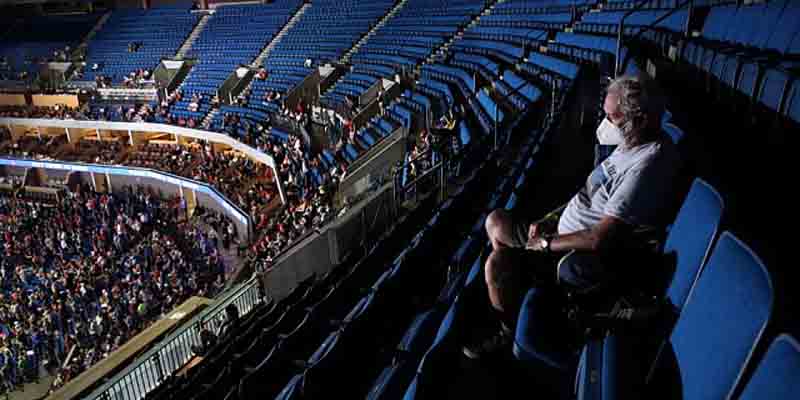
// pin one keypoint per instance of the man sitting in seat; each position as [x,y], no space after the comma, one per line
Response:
[628,191]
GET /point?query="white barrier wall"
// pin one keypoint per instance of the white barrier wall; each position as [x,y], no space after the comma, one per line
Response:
[206,195]
[150,127]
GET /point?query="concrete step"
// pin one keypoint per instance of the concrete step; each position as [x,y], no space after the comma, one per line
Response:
[187,44]
[349,53]
[259,60]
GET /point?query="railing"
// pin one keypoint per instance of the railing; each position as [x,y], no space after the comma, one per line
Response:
[214,137]
[508,95]
[307,91]
[160,362]
[129,94]
[234,85]
[433,175]
[639,6]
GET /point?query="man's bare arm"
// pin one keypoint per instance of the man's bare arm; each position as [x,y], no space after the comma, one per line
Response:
[600,237]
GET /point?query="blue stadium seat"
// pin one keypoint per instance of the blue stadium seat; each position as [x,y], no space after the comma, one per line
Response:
[733,295]
[773,87]
[791,108]
[160,32]
[686,248]
[778,374]
[714,337]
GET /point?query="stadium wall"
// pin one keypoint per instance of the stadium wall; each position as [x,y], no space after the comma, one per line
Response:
[322,251]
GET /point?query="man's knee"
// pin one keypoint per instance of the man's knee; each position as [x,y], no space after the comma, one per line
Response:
[497,221]
[499,269]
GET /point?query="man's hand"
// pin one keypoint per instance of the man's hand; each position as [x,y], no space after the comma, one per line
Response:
[532,231]
[535,243]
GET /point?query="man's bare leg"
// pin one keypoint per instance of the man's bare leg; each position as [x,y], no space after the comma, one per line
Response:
[499,229]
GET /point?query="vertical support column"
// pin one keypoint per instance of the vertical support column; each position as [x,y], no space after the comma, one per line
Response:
[204,4]
[145,4]
[279,184]
[94,181]
[108,184]
[101,182]
[130,137]
[69,138]
[190,197]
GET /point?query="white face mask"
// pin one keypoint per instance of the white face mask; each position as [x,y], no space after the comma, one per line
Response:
[609,134]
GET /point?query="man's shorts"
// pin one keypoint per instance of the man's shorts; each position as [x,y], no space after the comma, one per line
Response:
[519,232]
[580,270]
[584,270]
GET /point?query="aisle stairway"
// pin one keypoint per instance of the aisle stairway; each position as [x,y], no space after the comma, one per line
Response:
[187,45]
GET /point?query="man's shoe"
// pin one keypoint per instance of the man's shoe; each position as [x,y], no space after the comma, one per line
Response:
[500,340]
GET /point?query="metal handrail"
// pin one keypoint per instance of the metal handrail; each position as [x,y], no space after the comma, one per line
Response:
[160,362]
[639,6]
[690,3]
[514,91]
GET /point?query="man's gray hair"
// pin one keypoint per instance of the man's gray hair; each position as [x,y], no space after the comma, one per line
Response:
[637,98]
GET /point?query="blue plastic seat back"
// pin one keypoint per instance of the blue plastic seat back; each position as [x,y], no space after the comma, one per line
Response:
[722,321]
[691,237]
[675,133]
[292,389]
[464,133]
[792,107]
[772,88]
[778,374]
[786,29]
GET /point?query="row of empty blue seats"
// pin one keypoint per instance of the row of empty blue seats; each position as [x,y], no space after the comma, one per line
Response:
[158,33]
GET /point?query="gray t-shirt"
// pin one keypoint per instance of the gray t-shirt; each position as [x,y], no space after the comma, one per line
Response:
[633,185]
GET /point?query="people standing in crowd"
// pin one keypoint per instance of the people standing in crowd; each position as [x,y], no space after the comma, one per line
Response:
[89,271]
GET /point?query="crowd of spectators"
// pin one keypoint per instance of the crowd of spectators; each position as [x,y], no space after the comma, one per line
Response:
[95,112]
[102,81]
[194,103]
[308,182]
[5,134]
[7,72]
[162,110]
[36,147]
[251,186]
[12,180]
[56,112]
[120,113]
[309,190]
[98,151]
[90,271]
[248,184]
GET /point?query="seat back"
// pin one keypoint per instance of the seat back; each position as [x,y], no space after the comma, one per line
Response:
[791,108]
[778,374]
[690,238]
[722,321]
[773,87]
[785,29]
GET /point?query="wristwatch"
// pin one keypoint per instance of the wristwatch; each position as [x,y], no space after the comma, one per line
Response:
[545,243]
